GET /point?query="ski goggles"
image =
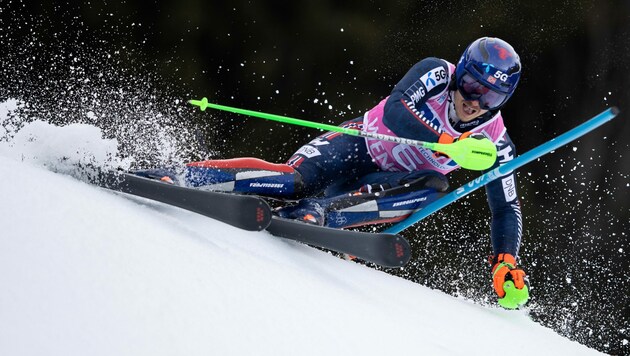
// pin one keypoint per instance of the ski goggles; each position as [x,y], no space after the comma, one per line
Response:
[473,90]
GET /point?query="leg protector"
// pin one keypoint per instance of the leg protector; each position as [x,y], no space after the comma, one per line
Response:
[246,175]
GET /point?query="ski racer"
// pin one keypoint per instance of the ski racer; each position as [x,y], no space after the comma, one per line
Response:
[345,181]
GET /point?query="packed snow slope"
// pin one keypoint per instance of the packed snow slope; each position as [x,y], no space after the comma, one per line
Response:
[85,271]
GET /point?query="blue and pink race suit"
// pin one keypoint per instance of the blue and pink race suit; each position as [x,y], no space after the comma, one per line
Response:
[419,107]
[332,165]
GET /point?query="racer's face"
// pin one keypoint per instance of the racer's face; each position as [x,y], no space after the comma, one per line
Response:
[467,110]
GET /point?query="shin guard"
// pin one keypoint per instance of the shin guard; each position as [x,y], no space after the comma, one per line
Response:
[245,175]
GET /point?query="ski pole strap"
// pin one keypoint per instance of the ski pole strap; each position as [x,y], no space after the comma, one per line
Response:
[505,169]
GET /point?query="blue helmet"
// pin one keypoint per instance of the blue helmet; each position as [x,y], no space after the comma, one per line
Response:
[488,72]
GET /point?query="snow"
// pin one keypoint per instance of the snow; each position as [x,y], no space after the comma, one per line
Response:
[87,271]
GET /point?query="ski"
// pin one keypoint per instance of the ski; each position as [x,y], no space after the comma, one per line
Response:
[387,250]
[252,213]
[246,212]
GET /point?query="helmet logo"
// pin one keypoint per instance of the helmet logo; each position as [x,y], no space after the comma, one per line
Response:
[487,66]
[503,53]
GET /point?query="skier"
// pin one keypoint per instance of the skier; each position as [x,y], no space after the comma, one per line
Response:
[347,181]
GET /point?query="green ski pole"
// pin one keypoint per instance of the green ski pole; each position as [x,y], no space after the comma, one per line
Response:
[473,154]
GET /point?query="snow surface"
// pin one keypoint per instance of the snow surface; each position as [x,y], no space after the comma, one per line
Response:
[84,271]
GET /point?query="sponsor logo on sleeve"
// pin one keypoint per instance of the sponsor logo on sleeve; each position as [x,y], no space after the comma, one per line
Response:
[434,78]
[509,188]
[308,151]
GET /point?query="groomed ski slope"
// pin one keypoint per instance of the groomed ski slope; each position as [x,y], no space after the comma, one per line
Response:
[84,271]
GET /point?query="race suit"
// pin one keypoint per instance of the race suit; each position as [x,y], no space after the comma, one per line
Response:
[419,107]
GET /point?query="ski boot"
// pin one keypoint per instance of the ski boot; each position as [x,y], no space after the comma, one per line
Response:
[308,210]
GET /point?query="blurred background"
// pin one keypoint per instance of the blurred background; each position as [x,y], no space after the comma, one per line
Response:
[129,67]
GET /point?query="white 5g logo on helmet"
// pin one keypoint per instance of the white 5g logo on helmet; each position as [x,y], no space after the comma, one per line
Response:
[500,75]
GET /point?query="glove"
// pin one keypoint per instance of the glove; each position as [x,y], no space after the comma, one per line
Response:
[446,138]
[509,281]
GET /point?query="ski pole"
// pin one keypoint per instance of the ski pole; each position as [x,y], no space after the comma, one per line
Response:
[502,170]
[473,154]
